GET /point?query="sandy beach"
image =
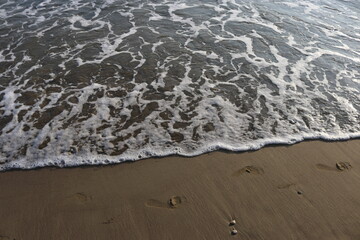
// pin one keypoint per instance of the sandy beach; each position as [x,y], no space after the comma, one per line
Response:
[278,192]
[98,82]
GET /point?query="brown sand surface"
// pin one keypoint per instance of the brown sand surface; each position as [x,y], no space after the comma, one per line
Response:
[280,192]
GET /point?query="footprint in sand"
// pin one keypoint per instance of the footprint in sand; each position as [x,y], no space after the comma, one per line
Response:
[286,186]
[249,170]
[291,186]
[80,198]
[172,203]
[339,167]
[112,220]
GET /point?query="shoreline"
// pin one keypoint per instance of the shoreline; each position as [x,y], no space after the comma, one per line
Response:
[276,192]
[62,161]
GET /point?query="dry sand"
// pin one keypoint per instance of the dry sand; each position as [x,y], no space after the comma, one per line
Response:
[279,192]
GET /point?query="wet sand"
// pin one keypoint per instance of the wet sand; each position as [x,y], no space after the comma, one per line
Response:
[278,192]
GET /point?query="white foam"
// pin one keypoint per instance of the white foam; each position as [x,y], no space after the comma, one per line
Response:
[67,160]
[3,13]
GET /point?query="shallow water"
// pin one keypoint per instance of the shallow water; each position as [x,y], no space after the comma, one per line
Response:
[91,82]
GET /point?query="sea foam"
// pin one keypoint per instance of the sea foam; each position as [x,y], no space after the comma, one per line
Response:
[85,82]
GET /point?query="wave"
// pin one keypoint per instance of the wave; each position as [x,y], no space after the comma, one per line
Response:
[96,82]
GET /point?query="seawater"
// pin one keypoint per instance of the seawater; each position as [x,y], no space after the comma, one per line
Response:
[105,81]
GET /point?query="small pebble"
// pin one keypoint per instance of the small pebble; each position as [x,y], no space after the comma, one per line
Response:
[232,222]
[233,232]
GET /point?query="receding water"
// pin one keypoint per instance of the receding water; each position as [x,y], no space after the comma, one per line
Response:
[91,82]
